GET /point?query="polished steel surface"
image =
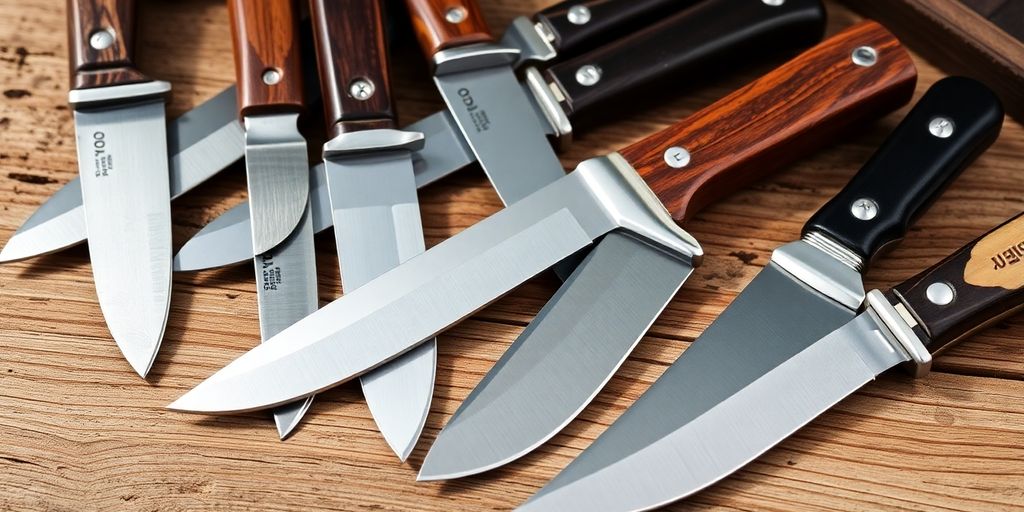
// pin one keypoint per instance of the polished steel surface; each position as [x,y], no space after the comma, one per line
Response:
[278,176]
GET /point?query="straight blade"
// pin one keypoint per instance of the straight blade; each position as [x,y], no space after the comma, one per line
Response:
[278,177]
[652,455]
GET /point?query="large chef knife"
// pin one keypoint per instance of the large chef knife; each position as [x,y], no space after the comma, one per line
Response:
[121,135]
[810,287]
[739,29]
[652,455]
[637,191]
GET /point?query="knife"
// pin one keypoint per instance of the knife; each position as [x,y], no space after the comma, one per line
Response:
[121,137]
[751,33]
[810,287]
[639,191]
[269,74]
[646,459]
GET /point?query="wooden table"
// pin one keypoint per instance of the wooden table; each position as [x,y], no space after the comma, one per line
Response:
[79,430]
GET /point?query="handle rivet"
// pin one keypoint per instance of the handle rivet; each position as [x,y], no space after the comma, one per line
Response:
[455,14]
[588,75]
[774,3]
[864,56]
[941,127]
[940,293]
[579,15]
[361,89]
[271,76]
[677,157]
[864,209]
[102,39]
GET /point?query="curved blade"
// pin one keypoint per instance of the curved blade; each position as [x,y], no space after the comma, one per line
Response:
[653,455]
[562,359]
[278,177]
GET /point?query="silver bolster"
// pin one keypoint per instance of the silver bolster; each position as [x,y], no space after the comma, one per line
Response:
[897,324]
[834,249]
[119,94]
[368,141]
[822,271]
[474,56]
[532,39]
[549,106]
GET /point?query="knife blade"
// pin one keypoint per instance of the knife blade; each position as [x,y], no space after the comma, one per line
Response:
[629,467]
[731,143]
[121,137]
[810,287]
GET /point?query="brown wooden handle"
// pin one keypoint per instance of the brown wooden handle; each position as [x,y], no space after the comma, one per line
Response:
[442,24]
[975,286]
[268,66]
[352,56]
[101,36]
[778,118]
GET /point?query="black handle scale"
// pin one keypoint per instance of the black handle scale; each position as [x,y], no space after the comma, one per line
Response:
[575,24]
[912,167]
[709,35]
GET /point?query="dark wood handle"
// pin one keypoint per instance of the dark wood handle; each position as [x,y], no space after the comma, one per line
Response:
[442,24]
[268,65]
[575,24]
[779,117]
[979,284]
[101,37]
[352,56]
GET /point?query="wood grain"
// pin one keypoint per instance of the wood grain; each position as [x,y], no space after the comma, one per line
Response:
[266,39]
[430,20]
[114,65]
[80,432]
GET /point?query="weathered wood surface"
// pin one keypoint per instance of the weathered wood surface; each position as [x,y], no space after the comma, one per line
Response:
[79,431]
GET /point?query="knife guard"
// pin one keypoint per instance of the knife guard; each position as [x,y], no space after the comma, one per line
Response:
[936,152]
[352,57]
[442,24]
[572,24]
[692,43]
[268,66]
[101,40]
[857,75]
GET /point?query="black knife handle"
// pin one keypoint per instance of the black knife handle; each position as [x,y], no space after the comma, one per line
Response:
[101,40]
[574,24]
[352,57]
[979,284]
[953,123]
[684,45]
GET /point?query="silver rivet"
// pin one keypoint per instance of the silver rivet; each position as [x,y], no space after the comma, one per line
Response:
[102,39]
[677,157]
[774,3]
[864,209]
[865,56]
[941,127]
[361,89]
[940,293]
[588,75]
[455,14]
[271,76]
[579,15]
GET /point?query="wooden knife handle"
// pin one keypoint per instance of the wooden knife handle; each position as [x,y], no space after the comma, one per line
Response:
[574,23]
[101,40]
[268,65]
[352,56]
[442,24]
[977,285]
[854,76]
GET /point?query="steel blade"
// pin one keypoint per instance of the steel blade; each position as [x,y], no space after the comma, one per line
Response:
[561,361]
[652,456]
[278,177]
[377,227]
[122,159]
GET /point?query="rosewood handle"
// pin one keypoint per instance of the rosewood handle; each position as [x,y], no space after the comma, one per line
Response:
[695,42]
[268,65]
[793,110]
[101,40]
[352,57]
[977,285]
[953,123]
[442,24]
[574,24]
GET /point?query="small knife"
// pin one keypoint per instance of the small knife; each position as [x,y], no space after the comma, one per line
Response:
[810,287]
[121,134]
[637,191]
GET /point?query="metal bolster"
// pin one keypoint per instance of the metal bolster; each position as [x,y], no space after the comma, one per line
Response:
[118,94]
[366,141]
[897,324]
[533,40]
[474,56]
[834,249]
[821,271]
[550,106]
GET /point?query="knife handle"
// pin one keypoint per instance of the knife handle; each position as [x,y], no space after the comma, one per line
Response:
[442,24]
[793,110]
[979,284]
[101,40]
[268,66]
[687,44]
[573,24]
[953,123]
[352,56]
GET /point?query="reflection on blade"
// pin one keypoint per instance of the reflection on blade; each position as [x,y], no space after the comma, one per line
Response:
[277,175]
